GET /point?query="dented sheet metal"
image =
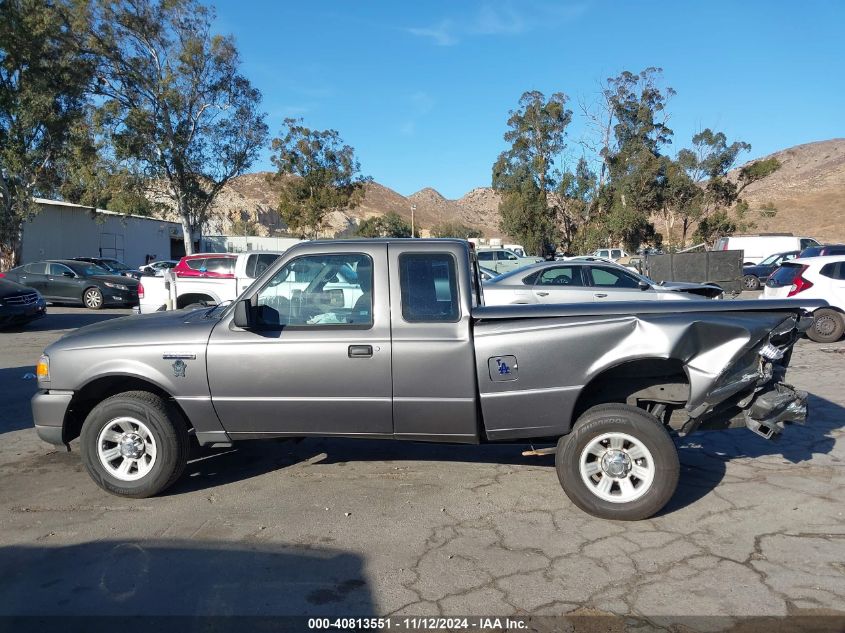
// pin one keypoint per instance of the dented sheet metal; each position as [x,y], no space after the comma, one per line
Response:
[564,348]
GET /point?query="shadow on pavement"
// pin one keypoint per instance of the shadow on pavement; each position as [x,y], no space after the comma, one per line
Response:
[15,394]
[703,455]
[174,577]
[67,320]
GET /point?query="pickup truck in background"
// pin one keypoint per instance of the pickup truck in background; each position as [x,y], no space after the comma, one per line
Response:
[173,291]
[391,339]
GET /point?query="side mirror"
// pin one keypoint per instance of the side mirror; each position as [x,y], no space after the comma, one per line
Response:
[67,273]
[643,286]
[243,314]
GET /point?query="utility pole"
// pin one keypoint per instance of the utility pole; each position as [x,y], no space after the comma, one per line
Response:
[413,230]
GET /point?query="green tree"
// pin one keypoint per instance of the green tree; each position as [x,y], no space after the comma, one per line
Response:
[317,174]
[88,176]
[707,164]
[43,82]
[455,229]
[633,167]
[525,174]
[175,105]
[391,224]
[574,204]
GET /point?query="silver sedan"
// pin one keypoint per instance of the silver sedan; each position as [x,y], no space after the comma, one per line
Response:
[587,281]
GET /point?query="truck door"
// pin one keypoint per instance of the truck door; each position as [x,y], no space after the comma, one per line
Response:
[434,379]
[318,359]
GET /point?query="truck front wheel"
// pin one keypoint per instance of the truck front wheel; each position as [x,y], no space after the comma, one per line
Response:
[619,463]
[134,444]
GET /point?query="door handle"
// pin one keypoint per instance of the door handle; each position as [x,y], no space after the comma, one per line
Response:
[360,351]
[600,295]
[543,294]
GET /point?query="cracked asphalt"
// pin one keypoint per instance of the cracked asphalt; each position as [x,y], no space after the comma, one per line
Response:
[354,527]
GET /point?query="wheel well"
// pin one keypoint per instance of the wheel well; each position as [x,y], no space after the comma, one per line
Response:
[95,392]
[194,297]
[653,380]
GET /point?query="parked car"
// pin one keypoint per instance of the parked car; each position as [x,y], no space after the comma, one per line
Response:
[585,281]
[824,249]
[211,265]
[155,293]
[756,248]
[158,268]
[755,276]
[19,304]
[487,273]
[113,266]
[75,282]
[814,278]
[612,254]
[417,357]
[503,260]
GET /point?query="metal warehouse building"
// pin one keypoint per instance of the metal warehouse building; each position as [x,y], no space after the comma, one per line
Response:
[62,230]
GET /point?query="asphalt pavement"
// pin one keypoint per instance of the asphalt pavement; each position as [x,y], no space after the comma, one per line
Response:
[358,527]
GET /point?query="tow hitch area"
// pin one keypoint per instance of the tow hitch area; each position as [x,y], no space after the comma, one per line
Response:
[775,408]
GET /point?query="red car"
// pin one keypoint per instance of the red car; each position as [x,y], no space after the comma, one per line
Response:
[214,265]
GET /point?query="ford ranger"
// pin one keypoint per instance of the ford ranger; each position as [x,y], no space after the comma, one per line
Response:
[391,339]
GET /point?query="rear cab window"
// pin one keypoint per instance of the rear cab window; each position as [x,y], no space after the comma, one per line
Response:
[429,286]
[195,264]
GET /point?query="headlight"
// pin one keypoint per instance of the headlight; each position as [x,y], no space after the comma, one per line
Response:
[116,286]
[42,370]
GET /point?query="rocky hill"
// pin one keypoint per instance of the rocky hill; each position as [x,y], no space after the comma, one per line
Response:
[808,192]
[254,196]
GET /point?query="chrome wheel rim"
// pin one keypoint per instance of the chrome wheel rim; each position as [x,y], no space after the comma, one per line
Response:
[93,299]
[126,448]
[751,283]
[617,467]
[825,325]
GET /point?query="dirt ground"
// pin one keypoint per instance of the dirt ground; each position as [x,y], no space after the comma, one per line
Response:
[356,527]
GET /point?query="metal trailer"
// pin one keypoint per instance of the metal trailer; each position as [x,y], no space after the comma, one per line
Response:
[718,267]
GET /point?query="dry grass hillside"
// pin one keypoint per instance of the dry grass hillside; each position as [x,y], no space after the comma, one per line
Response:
[256,196]
[808,192]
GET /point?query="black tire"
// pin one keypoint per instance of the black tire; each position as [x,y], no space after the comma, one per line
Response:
[633,422]
[92,298]
[828,326]
[165,424]
[751,282]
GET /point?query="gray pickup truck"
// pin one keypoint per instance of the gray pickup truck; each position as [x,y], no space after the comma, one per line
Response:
[391,339]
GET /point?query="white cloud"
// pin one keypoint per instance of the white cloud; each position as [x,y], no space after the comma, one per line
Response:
[441,33]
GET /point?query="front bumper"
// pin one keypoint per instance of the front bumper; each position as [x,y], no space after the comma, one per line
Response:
[17,315]
[49,409]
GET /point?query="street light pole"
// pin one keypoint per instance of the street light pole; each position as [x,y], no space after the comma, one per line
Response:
[413,230]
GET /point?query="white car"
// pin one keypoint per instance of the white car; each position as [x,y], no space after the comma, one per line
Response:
[587,281]
[503,260]
[756,248]
[814,278]
[610,253]
[158,268]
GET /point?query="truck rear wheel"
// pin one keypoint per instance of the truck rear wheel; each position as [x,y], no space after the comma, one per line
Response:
[134,444]
[619,463]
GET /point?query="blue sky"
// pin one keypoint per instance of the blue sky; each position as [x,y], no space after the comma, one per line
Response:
[422,89]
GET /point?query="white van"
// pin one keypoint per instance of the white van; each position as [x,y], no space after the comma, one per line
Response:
[756,248]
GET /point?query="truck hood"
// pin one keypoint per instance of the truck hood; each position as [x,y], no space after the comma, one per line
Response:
[177,327]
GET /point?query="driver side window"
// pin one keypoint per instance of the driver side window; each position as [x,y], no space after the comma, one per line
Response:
[318,291]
